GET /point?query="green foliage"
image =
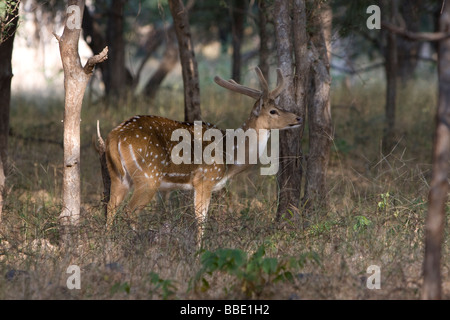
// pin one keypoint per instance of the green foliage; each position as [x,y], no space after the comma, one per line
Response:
[383,204]
[250,274]
[8,13]
[164,287]
[120,287]
[361,224]
[322,227]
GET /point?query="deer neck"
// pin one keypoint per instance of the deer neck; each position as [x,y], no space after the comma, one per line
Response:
[250,148]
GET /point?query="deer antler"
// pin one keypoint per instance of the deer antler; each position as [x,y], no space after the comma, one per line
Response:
[253,93]
[234,86]
[280,85]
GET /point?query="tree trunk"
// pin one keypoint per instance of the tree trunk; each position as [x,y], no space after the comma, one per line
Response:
[326,15]
[76,79]
[391,83]
[407,50]
[319,116]
[237,32]
[188,61]
[435,221]
[6,48]
[292,43]
[264,52]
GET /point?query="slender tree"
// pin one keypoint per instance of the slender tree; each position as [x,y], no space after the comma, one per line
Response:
[391,80]
[76,78]
[188,62]
[8,27]
[237,9]
[437,199]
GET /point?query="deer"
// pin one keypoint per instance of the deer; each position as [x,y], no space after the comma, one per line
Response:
[139,153]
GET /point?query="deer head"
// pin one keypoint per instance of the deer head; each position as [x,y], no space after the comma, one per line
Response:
[266,114]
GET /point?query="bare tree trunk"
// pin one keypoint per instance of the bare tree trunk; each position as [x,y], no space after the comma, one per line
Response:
[319,116]
[76,79]
[6,47]
[188,62]
[263,39]
[435,221]
[237,33]
[391,82]
[292,43]
[167,64]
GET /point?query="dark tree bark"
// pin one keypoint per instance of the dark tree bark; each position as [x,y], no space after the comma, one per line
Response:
[437,199]
[304,60]
[188,62]
[8,27]
[76,78]
[292,44]
[238,8]
[391,82]
[319,115]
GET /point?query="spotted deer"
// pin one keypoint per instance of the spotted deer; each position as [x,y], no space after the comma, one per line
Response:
[139,153]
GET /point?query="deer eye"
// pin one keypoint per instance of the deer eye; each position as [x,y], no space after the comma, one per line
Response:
[273,111]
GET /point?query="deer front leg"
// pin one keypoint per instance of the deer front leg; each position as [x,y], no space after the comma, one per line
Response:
[202,198]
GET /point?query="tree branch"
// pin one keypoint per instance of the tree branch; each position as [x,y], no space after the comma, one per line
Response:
[415,36]
[92,61]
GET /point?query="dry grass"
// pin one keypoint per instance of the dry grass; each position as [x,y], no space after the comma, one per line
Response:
[376,214]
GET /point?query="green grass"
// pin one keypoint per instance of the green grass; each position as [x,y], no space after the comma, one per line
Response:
[376,213]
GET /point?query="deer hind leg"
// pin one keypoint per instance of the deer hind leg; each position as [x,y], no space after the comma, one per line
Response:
[143,193]
[119,189]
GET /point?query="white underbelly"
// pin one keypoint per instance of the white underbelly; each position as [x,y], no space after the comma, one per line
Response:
[165,185]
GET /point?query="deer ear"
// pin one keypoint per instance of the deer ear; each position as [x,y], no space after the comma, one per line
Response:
[257,109]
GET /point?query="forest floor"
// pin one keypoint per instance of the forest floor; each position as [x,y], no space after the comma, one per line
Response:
[377,208]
